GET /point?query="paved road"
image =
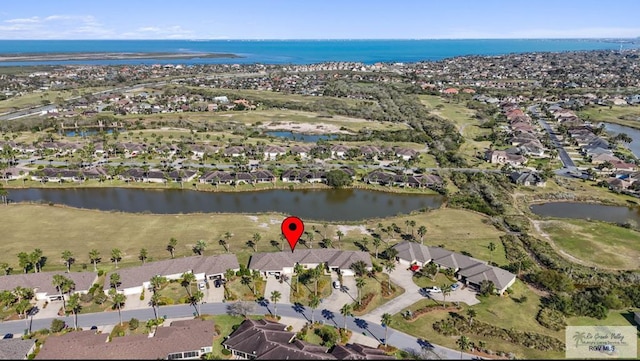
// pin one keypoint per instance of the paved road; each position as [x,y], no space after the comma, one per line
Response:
[567,162]
[371,329]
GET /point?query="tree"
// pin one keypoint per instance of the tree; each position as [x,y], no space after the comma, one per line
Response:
[389,266]
[256,238]
[340,235]
[195,299]
[298,269]
[241,308]
[223,243]
[359,268]
[275,297]
[314,303]
[186,280]
[422,231]
[114,280]
[337,178]
[36,258]
[255,276]
[75,307]
[6,268]
[412,223]
[67,258]
[359,284]
[118,300]
[487,288]
[116,256]
[94,256]
[156,283]
[171,246]
[431,269]
[406,223]
[310,236]
[315,274]
[24,261]
[471,313]
[446,291]
[21,308]
[376,243]
[60,282]
[155,304]
[199,247]
[463,343]
[386,322]
[492,247]
[345,311]
[4,194]
[143,255]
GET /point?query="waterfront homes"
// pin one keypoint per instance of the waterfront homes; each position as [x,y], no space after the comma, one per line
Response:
[232,178]
[467,269]
[185,340]
[402,180]
[42,283]
[268,340]
[284,262]
[527,178]
[133,280]
[311,175]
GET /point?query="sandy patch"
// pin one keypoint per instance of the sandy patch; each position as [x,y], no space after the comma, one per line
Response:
[263,225]
[253,218]
[305,128]
[349,229]
[275,221]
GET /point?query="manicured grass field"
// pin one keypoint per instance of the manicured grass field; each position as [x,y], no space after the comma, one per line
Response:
[603,244]
[59,228]
[623,115]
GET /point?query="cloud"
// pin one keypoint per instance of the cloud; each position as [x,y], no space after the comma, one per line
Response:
[57,26]
[30,20]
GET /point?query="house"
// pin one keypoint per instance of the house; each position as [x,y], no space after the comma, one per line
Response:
[527,178]
[405,153]
[234,151]
[42,283]
[467,269]
[182,175]
[16,348]
[504,157]
[636,317]
[338,150]
[604,157]
[269,340]
[284,262]
[301,150]
[450,91]
[271,152]
[619,184]
[623,166]
[133,280]
[216,177]
[184,340]
[13,173]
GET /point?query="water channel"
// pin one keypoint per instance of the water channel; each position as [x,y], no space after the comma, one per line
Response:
[322,205]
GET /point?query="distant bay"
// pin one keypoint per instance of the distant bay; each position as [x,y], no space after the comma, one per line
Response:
[292,51]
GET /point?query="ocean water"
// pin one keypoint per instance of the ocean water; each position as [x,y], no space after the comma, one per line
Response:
[297,51]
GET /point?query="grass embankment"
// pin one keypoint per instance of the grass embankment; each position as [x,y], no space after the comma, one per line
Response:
[467,125]
[59,228]
[623,115]
[603,244]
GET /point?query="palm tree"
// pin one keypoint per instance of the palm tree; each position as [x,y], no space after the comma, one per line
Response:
[116,255]
[412,223]
[75,307]
[360,282]
[422,230]
[345,311]
[406,223]
[255,276]
[143,255]
[186,280]
[310,236]
[227,236]
[256,238]
[171,246]
[60,282]
[223,243]
[94,256]
[492,247]
[325,226]
[446,291]
[114,280]
[118,300]
[340,235]
[21,308]
[432,270]
[389,267]
[195,299]
[156,283]
[386,322]
[275,297]
[314,303]
[471,313]
[463,344]
[297,269]
[67,257]
[199,247]
[155,303]
[316,273]
[376,243]
[359,268]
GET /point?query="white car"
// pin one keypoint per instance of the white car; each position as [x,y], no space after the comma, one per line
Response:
[201,286]
[433,289]
[336,284]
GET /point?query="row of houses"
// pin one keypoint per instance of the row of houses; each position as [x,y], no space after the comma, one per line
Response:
[468,270]
[402,180]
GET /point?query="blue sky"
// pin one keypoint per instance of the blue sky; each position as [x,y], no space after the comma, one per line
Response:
[320,19]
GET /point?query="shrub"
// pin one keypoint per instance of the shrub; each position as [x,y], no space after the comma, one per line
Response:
[551,319]
[364,302]
[100,272]
[57,325]
[289,328]
[328,335]
[142,296]
[99,298]
[133,324]
[44,331]
[225,352]
[86,297]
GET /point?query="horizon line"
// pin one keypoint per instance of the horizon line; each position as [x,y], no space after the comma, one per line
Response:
[325,39]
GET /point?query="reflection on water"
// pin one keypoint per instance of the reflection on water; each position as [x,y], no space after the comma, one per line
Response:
[329,205]
[306,138]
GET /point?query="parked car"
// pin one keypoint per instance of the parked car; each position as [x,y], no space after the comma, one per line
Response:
[455,286]
[7,336]
[201,286]
[433,289]
[217,283]
[94,327]
[336,285]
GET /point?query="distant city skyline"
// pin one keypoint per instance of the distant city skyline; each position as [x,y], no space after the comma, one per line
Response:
[326,19]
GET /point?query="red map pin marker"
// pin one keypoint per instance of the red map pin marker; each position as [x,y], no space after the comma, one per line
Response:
[292,228]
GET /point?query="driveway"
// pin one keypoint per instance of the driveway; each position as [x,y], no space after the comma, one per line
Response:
[50,311]
[213,294]
[465,295]
[404,278]
[273,284]
[348,293]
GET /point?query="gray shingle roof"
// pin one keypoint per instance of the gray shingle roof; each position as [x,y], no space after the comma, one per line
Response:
[43,281]
[15,348]
[275,261]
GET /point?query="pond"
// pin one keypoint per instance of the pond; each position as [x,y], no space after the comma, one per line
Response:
[634,146]
[307,138]
[322,205]
[600,212]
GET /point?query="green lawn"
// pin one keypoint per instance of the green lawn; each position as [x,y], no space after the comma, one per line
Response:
[375,286]
[241,291]
[623,115]
[600,243]
[440,280]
